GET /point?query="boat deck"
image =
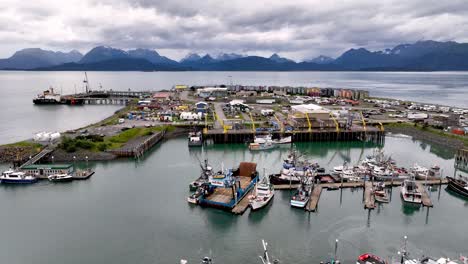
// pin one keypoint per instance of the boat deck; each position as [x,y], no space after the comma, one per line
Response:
[314,199]
[426,200]
[224,195]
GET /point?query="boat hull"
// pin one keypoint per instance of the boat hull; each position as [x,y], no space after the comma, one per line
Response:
[454,186]
[256,205]
[23,181]
[46,102]
[299,204]
[62,180]
[276,180]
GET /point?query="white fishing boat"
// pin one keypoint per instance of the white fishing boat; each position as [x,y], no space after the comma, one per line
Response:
[262,139]
[264,192]
[262,146]
[380,194]
[60,177]
[16,177]
[410,193]
[302,196]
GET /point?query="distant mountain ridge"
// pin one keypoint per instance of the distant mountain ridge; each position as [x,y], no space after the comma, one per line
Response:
[35,57]
[420,56]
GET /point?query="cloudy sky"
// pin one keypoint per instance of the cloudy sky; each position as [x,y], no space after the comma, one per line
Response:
[296,29]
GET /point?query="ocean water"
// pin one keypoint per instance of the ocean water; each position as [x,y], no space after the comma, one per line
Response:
[136,212]
[20,119]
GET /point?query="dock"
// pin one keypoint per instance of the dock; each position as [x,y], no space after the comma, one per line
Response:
[314,199]
[426,200]
[286,186]
[83,174]
[136,148]
[369,198]
[243,204]
[38,156]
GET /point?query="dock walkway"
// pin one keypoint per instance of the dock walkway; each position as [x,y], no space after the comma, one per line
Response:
[369,198]
[314,199]
[38,156]
[426,200]
[243,204]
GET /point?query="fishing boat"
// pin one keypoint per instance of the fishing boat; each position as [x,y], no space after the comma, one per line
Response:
[206,172]
[368,258]
[225,189]
[410,193]
[285,140]
[302,195]
[195,139]
[60,177]
[264,192]
[380,194]
[262,139]
[194,198]
[262,146]
[459,185]
[16,177]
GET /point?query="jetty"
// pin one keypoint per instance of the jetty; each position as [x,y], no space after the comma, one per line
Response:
[243,204]
[136,148]
[369,198]
[314,199]
[426,200]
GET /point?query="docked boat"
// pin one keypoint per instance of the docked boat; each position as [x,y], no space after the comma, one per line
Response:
[302,196]
[285,140]
[60,177]
[194,198]
[195,139]
[459,185]
[410,193]
[206,172]
[262,146]
[380,194]
[225,189]
[16,177]
[264,192]
[262,139]
[368,258]
[47,97]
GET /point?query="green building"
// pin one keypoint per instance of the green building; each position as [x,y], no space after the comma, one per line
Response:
[47,169]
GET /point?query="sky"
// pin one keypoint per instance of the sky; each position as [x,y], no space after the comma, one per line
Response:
[294,29]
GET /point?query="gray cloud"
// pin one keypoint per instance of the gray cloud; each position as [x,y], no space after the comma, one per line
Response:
[300,29]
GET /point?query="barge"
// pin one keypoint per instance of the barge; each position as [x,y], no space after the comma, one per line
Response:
[226,189]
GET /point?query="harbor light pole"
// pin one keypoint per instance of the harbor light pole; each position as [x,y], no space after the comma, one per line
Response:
[86,162]
[52,159]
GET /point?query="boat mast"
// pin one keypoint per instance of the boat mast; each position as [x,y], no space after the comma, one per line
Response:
[86,83]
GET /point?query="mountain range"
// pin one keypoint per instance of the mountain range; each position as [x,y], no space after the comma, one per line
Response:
[419,56]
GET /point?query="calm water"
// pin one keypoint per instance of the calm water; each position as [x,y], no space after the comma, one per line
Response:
[20,119]
[136,212]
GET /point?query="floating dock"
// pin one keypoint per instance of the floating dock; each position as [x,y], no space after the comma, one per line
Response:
[243,204]
[426,200]
[369,198]
[314,199]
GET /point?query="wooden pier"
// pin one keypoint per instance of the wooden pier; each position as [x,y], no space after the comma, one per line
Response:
[139,146]
[426,200]
[314,199]
[369,198]
[286,186]
[370,134]
[243,204]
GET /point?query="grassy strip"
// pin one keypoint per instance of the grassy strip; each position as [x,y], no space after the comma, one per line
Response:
[23,144]
[108,143]
[432,130]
